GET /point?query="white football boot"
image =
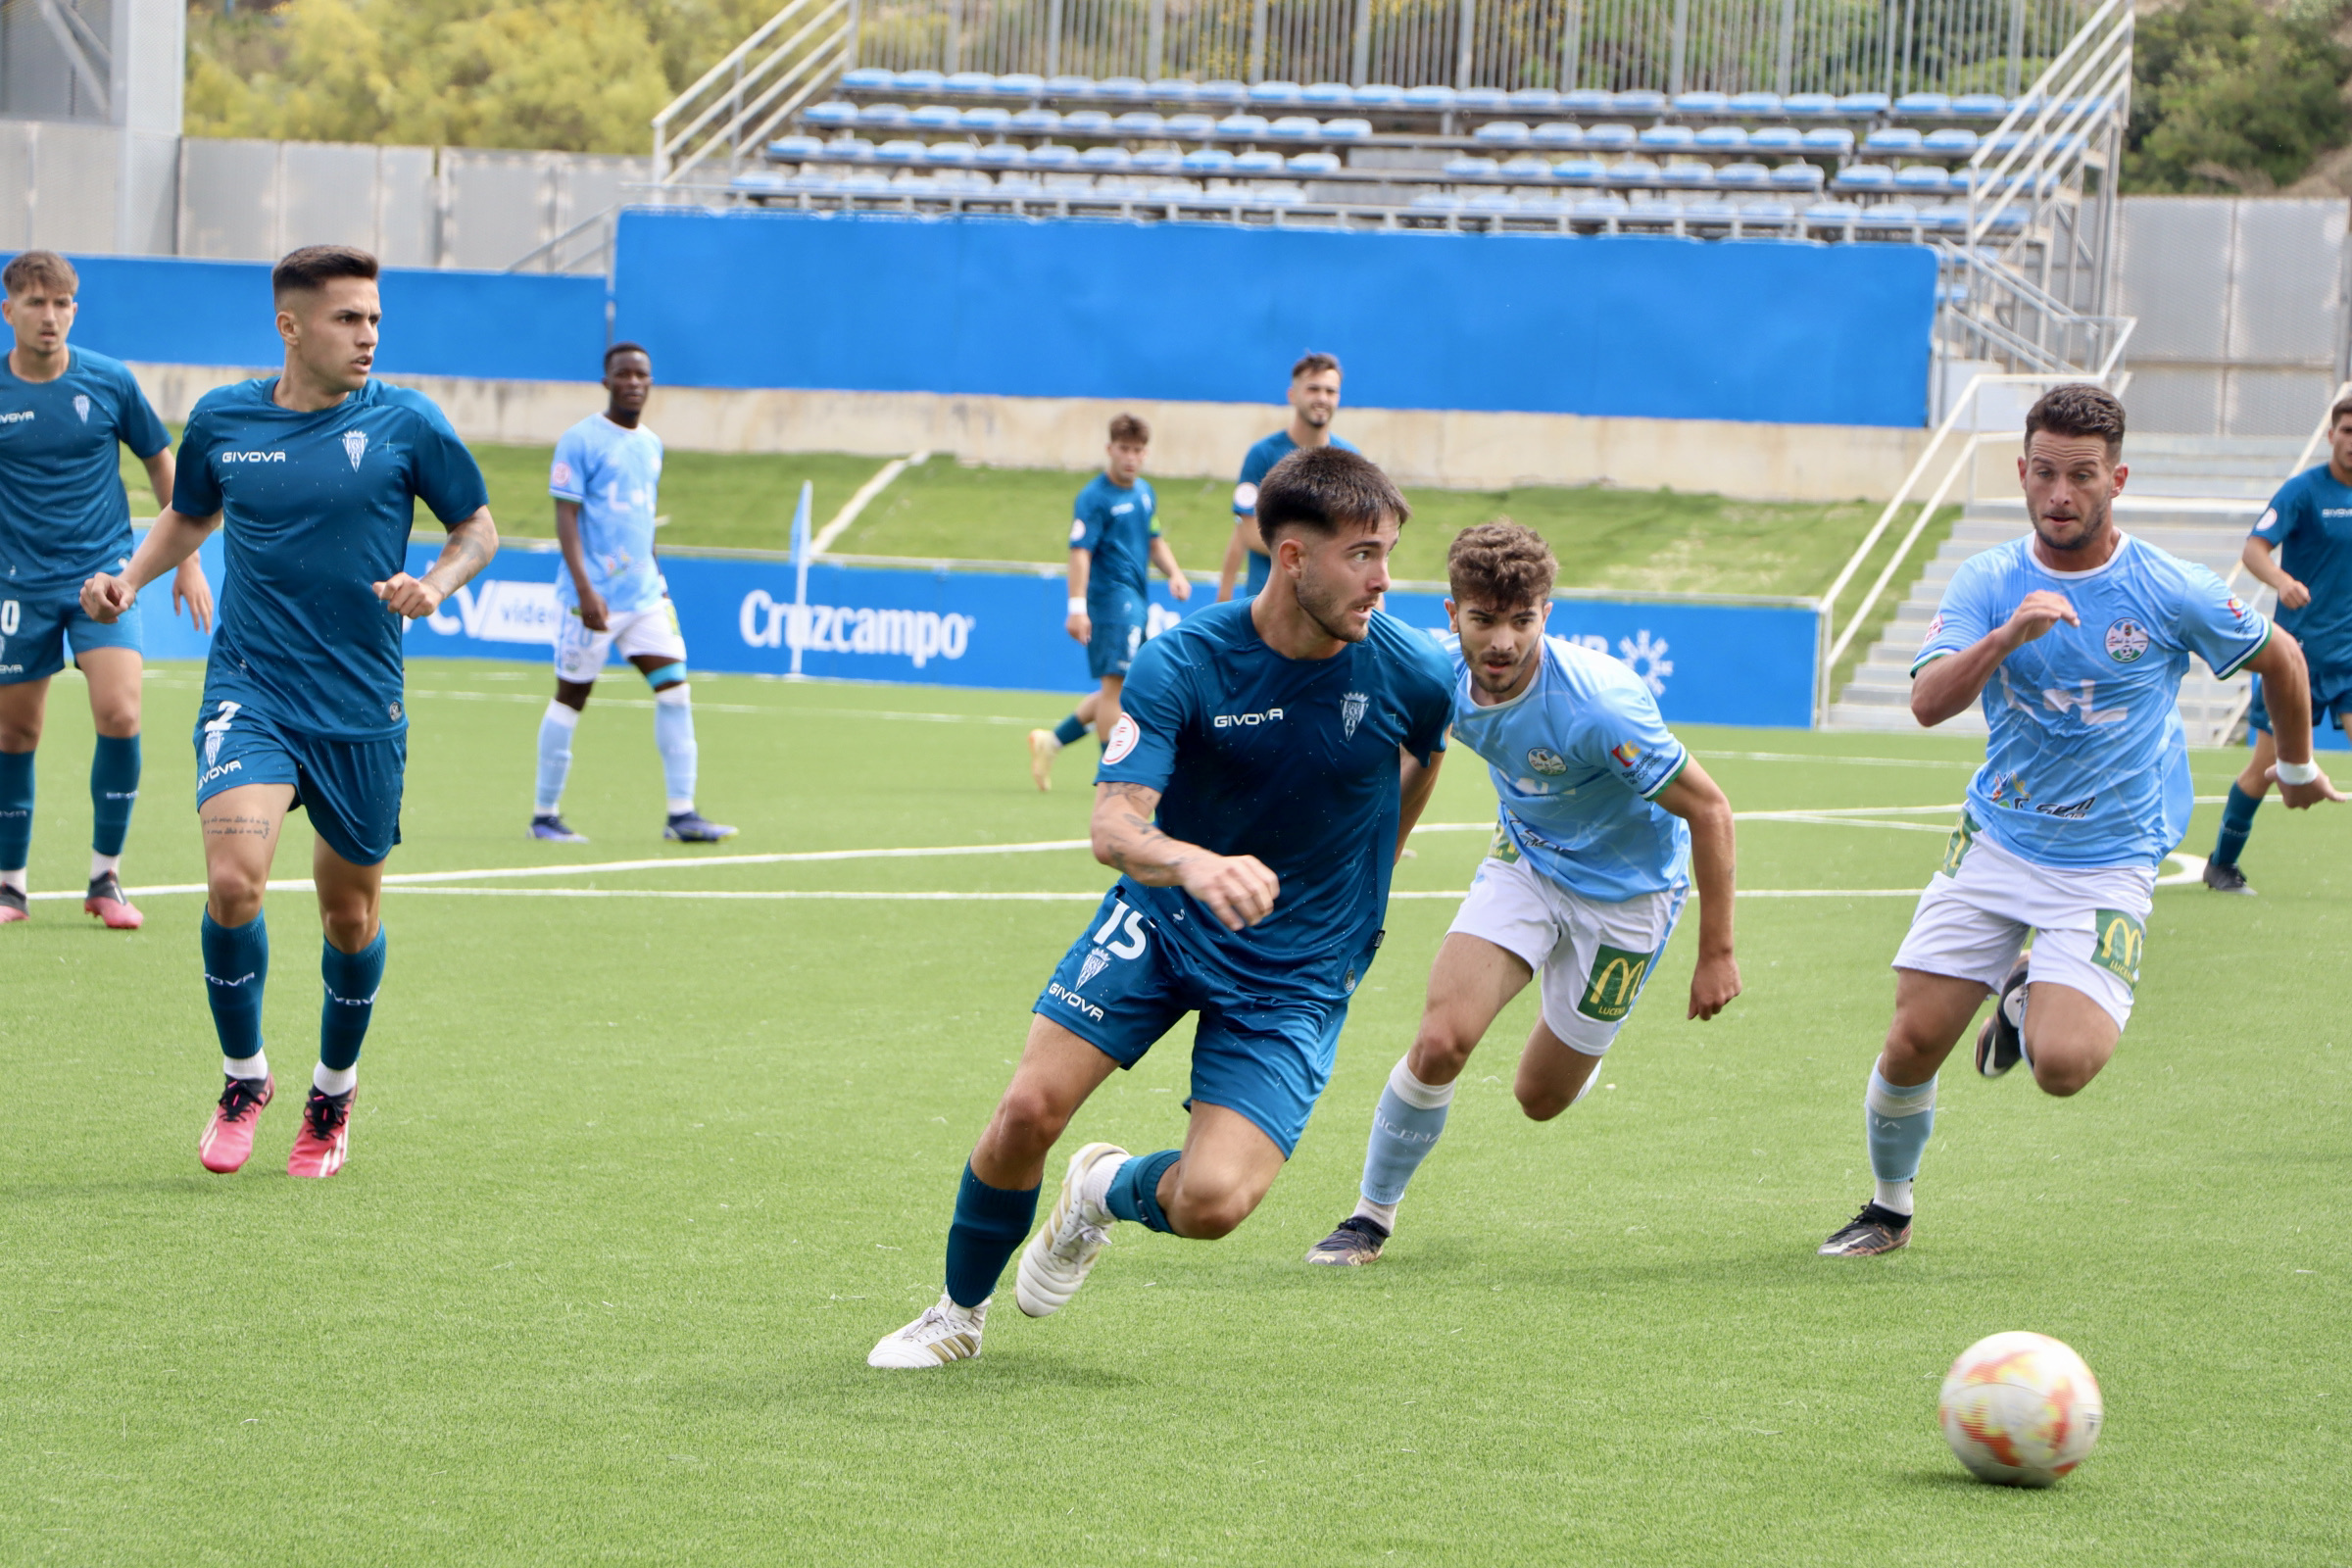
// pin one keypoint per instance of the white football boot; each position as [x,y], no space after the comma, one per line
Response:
[943,1332]
[1062,1253]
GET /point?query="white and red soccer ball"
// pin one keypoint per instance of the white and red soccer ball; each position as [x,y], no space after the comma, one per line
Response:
[2019,1409]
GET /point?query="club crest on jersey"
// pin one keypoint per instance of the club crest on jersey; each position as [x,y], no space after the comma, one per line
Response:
[82,406]
[354,447]
[1544,759]
[2127,640]
[1351,712]
[1094,965]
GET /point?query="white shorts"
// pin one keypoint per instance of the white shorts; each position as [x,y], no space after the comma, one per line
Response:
[580,652]
[1591,957]
[1984,904]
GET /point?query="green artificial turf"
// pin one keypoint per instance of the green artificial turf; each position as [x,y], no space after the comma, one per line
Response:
[636,1183]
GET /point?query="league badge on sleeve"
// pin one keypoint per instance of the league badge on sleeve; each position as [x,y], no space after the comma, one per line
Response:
[2128,640]
[1123,736]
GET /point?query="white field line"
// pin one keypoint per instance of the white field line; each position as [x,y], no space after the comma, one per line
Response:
[862,499]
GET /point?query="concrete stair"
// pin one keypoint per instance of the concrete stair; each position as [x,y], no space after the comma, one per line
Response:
[2196,497]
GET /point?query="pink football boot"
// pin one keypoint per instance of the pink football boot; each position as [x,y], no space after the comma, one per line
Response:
[228,1142]
[321,1146]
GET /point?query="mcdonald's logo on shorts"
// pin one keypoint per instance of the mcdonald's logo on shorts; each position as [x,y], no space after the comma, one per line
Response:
[2117,941]
[1614,984]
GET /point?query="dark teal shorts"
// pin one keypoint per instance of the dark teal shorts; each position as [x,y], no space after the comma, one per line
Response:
[351,789]
[35,629]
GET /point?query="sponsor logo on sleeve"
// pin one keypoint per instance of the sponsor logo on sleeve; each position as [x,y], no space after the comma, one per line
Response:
[2269,520]
[1626,752]
[1245,494]
[2127,641]
[1123,738]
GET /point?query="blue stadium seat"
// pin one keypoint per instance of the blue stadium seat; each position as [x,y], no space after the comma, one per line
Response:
[1510,130]
[1600,208]
[1208,161]
[899,152]
[1052,155]
[1894,139]
[1889,216]
[1951,140]
[1037,122]
[834,113]
[1327,94]
[1796,176]
[1189,127]
[866,78]
[1980,105]
[1275,196]
[1527,166]
[1347,130]
[796,149]
[1546,207]
[1702,103]
[1375,95]
[917,81]
[1068,86]
[1470,168]
[1101,158]
[1865,178]
[1315,163]
[936,117]
[1832,215]
[882,114]
[1534,99]
[848,150]
[762,182]
[1482,100]
[1295,127]
[987,119]
[1609,136]
[1632,172]
[958,154]
[1744,174]
[1260,161]
[1559,133]
[1087,122]
[1829,139]
[1776,138]
[1174,190]
[1671,137]
[1638,101]
[1924,104]
[1157,159]
[1019,85]
[1242,125]
[1813,104]
[1276,92]
[1429,97]
[1129,88]
[1923,177]
[1721,137]
[1175,89]
[1686,173]
[864,186]
[1584,101]
[1859,105]
[1222,92]
[1437,201]
[1002,155]
[1709,212]
[1766,215]
[1018,185]
[1139,122]
[1755,103]
[1581,172]
[1490,201]
[968,81]
[1652,211]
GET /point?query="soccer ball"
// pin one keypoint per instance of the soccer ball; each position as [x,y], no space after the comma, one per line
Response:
[2020,1410]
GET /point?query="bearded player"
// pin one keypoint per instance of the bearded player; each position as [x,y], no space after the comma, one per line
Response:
[2075,640]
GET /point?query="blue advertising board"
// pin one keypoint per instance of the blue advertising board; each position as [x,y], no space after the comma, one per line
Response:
[748,616]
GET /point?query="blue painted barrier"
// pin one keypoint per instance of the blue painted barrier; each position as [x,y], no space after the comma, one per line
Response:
[1619,324]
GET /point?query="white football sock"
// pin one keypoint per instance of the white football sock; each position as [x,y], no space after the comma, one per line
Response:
[256,1065]
[1094,1191]
[15,879]
[103,865]
[1383,1215]
[334,1080]
[1895,1197]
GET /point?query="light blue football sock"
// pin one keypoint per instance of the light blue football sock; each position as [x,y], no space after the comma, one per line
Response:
[236,966]
[15,810]
[1898,1121]
[674,737]
[1404,1128]
[114,790]
[1070,730]
[352,982]
[1134,1191]
[555,755]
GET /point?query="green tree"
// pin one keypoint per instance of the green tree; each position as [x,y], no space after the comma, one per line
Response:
[2232,97]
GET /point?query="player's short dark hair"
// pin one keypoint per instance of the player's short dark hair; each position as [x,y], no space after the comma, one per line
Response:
[314,266]
[1322,490]
[1501,565]
[2077,409]
[624,346]
[39,266]
[1312,362]
[1128,430]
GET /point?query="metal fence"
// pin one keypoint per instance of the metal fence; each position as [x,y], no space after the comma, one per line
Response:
[1838,46]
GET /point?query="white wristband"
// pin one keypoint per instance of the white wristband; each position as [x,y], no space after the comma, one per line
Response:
[1077,604]
[2297,772]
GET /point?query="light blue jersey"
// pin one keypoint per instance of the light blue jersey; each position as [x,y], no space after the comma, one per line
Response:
[615,475]
[2088,764]
[1578,762]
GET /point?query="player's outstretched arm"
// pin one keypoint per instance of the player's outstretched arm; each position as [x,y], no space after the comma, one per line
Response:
[174,539]
[1080,625]
[1415,784]
[1952,684]
[1236,554]
[468,550]
[1699,801]
[2286,692]
[1238,889]
[1180,587]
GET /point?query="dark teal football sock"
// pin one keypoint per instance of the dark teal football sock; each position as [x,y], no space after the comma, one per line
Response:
[990,1225]
[236,966]
[1070,730]
[1135,1189]
[15,810]
[114,790]
[352,981]
[2237,821]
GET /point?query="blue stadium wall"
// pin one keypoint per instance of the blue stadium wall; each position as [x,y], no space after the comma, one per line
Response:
[1627,325]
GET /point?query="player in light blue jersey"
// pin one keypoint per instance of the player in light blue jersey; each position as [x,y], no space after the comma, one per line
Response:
[2308,527]
[606,479]
[64,516]
[316,473]
[1114,543]
[1270,760]
[2075,640]
[1314,404]
[1604,819]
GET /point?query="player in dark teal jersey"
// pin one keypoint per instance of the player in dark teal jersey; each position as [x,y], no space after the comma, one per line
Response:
[1270,759]
[1114,543]
[64,516]
[1314,404]
[316,472]
[2308,528]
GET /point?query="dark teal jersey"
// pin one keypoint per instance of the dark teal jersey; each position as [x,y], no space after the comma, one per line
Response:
[1256,466]
[1291,761]
[1115,524]
[63,512]
[2310,524]
[316,508]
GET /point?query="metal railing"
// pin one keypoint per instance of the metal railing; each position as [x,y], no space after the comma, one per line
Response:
[741,101]
[585,247]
